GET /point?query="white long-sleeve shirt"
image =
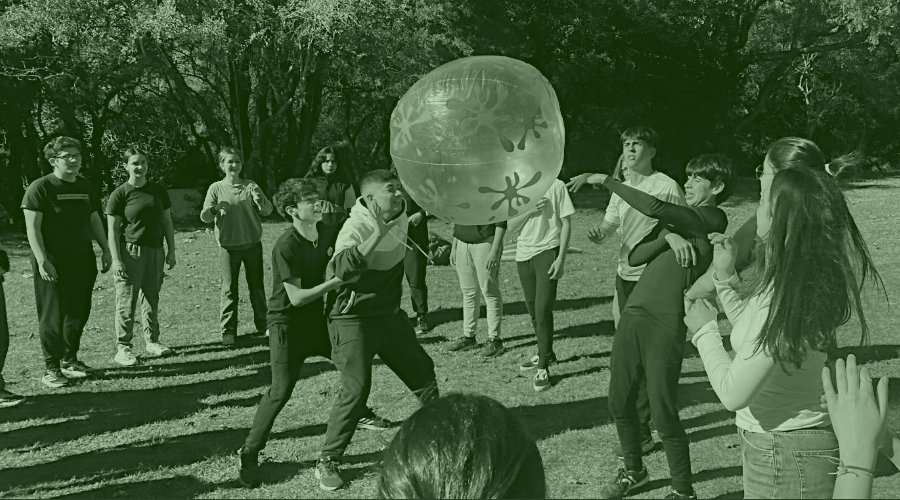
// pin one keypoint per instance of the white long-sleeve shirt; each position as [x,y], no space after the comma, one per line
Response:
[753,385]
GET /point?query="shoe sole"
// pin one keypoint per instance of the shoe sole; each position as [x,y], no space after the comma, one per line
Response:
[637,485]
[498,352]
[322,486]
[73,374]
[11,404]
[464,349]
[368,427]
[54,385]
[540,388]
[125,364]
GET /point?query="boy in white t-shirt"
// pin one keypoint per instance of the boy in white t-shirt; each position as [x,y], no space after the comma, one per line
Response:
[540,258]
[638,150]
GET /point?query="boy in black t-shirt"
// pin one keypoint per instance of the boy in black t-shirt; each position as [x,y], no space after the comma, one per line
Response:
[62,216]
[295,318]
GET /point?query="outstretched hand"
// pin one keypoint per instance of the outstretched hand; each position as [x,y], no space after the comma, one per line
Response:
[577,182]
[857,415]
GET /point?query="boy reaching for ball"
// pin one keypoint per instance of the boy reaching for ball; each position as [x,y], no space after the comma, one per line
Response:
[364,315]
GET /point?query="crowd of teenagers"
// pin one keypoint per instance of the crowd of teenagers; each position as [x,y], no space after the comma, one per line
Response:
[786,280]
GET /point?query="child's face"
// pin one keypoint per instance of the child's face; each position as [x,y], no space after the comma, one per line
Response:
[329,165]
[231,164]
[388,197]
[67,161]
[637,152]
[136,166]
[308,210]
[700,191]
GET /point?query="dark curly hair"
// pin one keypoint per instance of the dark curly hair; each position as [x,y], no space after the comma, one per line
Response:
[293,191]
[344,172]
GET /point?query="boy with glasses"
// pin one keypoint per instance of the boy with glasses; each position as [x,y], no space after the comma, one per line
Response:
[62,216]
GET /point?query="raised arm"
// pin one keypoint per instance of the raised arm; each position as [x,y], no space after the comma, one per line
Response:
[683,220]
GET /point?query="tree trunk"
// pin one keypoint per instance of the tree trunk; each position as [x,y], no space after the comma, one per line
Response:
[310,110]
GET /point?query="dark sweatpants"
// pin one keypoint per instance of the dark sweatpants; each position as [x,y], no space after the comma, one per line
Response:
[540,295]
[4,334]
[649,351]
[623,290]
[63,307]
[415,265]
[289,346]
[355,342]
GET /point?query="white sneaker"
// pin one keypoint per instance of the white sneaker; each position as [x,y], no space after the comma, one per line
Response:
[157,349]
[125,357]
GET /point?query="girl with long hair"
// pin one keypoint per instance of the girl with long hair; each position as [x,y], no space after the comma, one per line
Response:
[334,171]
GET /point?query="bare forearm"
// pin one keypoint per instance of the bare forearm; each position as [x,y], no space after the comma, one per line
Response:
[98,232]
[115,238]
[307,295]
[497,244]
[169,231]
[565,235]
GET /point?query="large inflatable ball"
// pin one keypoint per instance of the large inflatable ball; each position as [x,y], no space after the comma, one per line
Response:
[478,140]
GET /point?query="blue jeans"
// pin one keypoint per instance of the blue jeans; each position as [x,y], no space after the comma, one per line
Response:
[790,464]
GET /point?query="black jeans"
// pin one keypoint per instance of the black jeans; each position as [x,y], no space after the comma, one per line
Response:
[623,290]
[289,346]
[649,352]
[540,295]
[355,342]
[230,266]
[63,307]
[4,334]
[415,266]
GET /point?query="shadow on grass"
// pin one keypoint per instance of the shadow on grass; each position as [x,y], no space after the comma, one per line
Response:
[705,475]
[441,316]
[547,420]
[95,413]
[170,487]
[171,452]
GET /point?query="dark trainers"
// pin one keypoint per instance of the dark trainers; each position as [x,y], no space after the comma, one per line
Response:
[248,472]
[647,447]
[9,399]
[462,344]
[625,482]
[421,327]
[54,378]
[532,362]
[373,422]
[678,494]
[328,472]
[74,369]
[541,380]
[492,348]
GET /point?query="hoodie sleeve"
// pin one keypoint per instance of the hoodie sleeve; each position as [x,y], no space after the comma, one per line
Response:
[347,263]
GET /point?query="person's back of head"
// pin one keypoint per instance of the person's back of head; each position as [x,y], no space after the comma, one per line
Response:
[814,261]
[462,446]
[797,152]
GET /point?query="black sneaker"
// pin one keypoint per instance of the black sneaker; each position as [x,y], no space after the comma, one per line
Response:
[373,422]
[625,482]
[541,380]
[248,472]
[421,327]
[74,369]
[678,494]
[9,399]
[647,447]
[462,344]
[54,378]
[328,472]
[492,348]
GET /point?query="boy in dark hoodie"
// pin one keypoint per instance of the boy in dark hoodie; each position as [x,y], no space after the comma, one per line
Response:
[364,315]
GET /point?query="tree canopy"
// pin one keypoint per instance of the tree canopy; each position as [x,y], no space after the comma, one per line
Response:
[282,78]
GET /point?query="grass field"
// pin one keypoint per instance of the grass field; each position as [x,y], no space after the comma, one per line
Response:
[170,427]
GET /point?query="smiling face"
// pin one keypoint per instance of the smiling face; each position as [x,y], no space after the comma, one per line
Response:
[700,191]
[136,166]
[388,196]
[637,154]
[67,162]
[231,165]
[307,211]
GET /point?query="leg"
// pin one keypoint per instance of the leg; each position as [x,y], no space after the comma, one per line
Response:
[544,299]
[253,269]
[468,283]
[623,290]
[230,268]
[4,335]
[529,287]
[352,357]
[402,353]
[128,293]
[626,373]
[286,361]
[489,284]
[415,266]
[50,318]
[75,302]
[154,261]
[661,350]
